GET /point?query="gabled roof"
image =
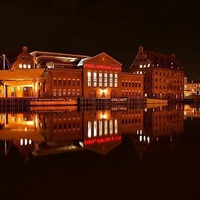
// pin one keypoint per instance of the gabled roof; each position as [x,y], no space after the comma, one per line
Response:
[163,60]
[103,148]
[103,59]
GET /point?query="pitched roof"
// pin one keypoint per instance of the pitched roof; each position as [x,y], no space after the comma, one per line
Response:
[163,60]
[103,58]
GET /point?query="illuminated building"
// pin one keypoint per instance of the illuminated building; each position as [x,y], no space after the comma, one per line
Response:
[162,128]
[58,75]
[46,132]
[132,120]
[163,74]
[192,88]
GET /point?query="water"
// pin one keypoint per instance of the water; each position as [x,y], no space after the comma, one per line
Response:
[120,153]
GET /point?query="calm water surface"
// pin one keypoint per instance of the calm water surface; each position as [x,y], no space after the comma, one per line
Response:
[118,153]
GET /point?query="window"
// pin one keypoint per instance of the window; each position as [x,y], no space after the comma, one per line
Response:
[100,128]
[95,128]
[94,79]
[105,80]
[59,92]
[116,80]
[59,81]
[73,92]
[89,129]
[100,79]
[68,92]
[105,127]
[54,92]
[78,93]
[64,92]
[111,126]
[116,126]
[64,82]
[54,81]
[69,82]
[89,79]
[78,82]
[73,82]
[111,80]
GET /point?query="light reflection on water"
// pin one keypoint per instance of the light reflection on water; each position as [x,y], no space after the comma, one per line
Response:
[54,131]
[118,153]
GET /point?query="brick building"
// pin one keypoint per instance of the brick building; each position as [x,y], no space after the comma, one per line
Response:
[163,74]
[58,75]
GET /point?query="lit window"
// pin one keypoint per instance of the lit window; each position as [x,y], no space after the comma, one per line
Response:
[68,92]
[105,80]
[20,65]
[111,126]
[116,126]
[100,79]
[116,80]
[89,79]
[89,129]
[29,66]
[100,128]
[95,128]
[73,92]
[78,92]
[94,79]
[111,80]
[105,127]
[24,65]
[140,66]
[64,92]
[59,92]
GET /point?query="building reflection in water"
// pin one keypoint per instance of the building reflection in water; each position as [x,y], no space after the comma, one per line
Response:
[191,111]
[162,127]
[40,133]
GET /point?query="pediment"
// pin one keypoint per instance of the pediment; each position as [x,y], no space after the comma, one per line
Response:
[103,59]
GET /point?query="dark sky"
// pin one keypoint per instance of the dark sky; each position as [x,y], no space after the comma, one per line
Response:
[117,27]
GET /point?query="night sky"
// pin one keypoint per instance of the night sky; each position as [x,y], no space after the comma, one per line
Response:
[118,28]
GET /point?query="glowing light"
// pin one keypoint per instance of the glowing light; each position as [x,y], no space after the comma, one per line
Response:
[102,140]
[148,139]
[81,144]
[91,66]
